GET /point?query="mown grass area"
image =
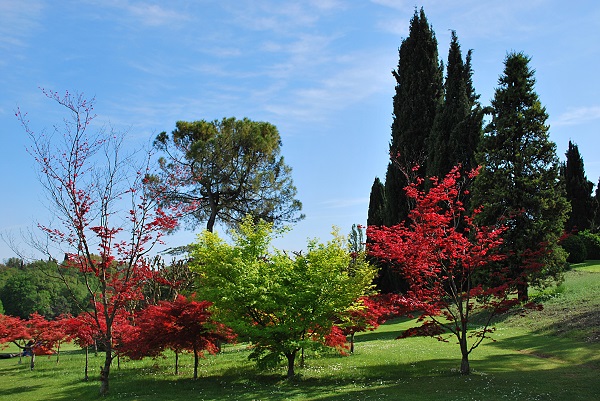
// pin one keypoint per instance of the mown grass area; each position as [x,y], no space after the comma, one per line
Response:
[551,354]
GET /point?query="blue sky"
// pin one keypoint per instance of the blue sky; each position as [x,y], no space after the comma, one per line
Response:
[317,69]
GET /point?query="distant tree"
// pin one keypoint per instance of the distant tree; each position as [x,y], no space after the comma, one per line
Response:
[87,179]
[376,214]
[280,303]
[457,128]
[520,179]
[440,253]
[578,191]
[418,95]
[224,170]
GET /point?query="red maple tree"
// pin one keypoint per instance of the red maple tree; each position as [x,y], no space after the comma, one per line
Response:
[180,325]
[440,252]
[88,182]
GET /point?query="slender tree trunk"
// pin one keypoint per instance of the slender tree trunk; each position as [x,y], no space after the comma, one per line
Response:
[57,353]
[176,362]
[465,369]
[352,343]
[105,370]
[522,292]
[195,362]
[32,362]
[291,357]
[86,377]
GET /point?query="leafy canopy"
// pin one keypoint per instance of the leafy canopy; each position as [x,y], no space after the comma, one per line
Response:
[279,302]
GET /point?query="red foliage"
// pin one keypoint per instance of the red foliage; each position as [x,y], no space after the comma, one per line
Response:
[12,329]
[180,325]
[440,252]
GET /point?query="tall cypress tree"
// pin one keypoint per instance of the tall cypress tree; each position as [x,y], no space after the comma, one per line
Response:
[520,179]
[457,128]
[578,190]
[376,214]
[418,94]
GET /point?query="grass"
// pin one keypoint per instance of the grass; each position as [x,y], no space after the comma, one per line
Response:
[553,354]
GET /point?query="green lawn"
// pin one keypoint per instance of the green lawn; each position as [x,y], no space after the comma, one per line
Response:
[553,354]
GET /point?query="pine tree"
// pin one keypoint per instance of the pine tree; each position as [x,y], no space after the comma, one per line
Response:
[520,177]
[578,190]
[418,94]
[457,129]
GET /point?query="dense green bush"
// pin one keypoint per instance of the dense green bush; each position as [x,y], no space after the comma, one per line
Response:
[575,247]
[592,244]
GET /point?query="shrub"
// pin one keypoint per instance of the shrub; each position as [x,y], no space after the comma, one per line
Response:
[575,247]
[592,244]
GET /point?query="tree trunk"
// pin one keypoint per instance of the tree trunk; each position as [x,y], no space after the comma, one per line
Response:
[86,377]
[32,362]
[522,292]
[195,363]
[291,357]
[176,362]
[465,369]
[352,343]
[105,370]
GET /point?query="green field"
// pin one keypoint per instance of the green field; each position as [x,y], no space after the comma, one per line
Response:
[553,354]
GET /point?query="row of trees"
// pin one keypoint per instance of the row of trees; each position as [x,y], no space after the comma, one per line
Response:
[439,123]
[452,256]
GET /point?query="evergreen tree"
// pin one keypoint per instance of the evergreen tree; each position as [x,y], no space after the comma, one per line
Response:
[457,129]
[520,177]
[418,94]
[376,214]
[579,191]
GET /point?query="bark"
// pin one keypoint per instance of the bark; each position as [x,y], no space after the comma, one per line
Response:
[465,369]
[176,362]
[105,370]
[352,343]
[291,357]
[195,363]
[32,362]
[522,292]
[86,377]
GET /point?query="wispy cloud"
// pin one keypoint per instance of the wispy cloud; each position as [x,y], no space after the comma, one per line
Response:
[151,15]
[17,20]
[577,116]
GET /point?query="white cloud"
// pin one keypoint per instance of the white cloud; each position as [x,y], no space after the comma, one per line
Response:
[577,116]
[17,20]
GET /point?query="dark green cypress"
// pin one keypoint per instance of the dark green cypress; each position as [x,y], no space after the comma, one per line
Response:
[578,190]
[418,94]
[376,214]
[457,129]
[520,178]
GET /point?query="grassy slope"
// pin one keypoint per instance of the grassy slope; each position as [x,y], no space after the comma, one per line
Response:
[553,354]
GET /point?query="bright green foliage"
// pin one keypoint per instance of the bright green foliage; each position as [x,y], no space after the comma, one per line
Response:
[280,303]
[223,170]
[418,95]
[457,129]
[578,190]
[519,180]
